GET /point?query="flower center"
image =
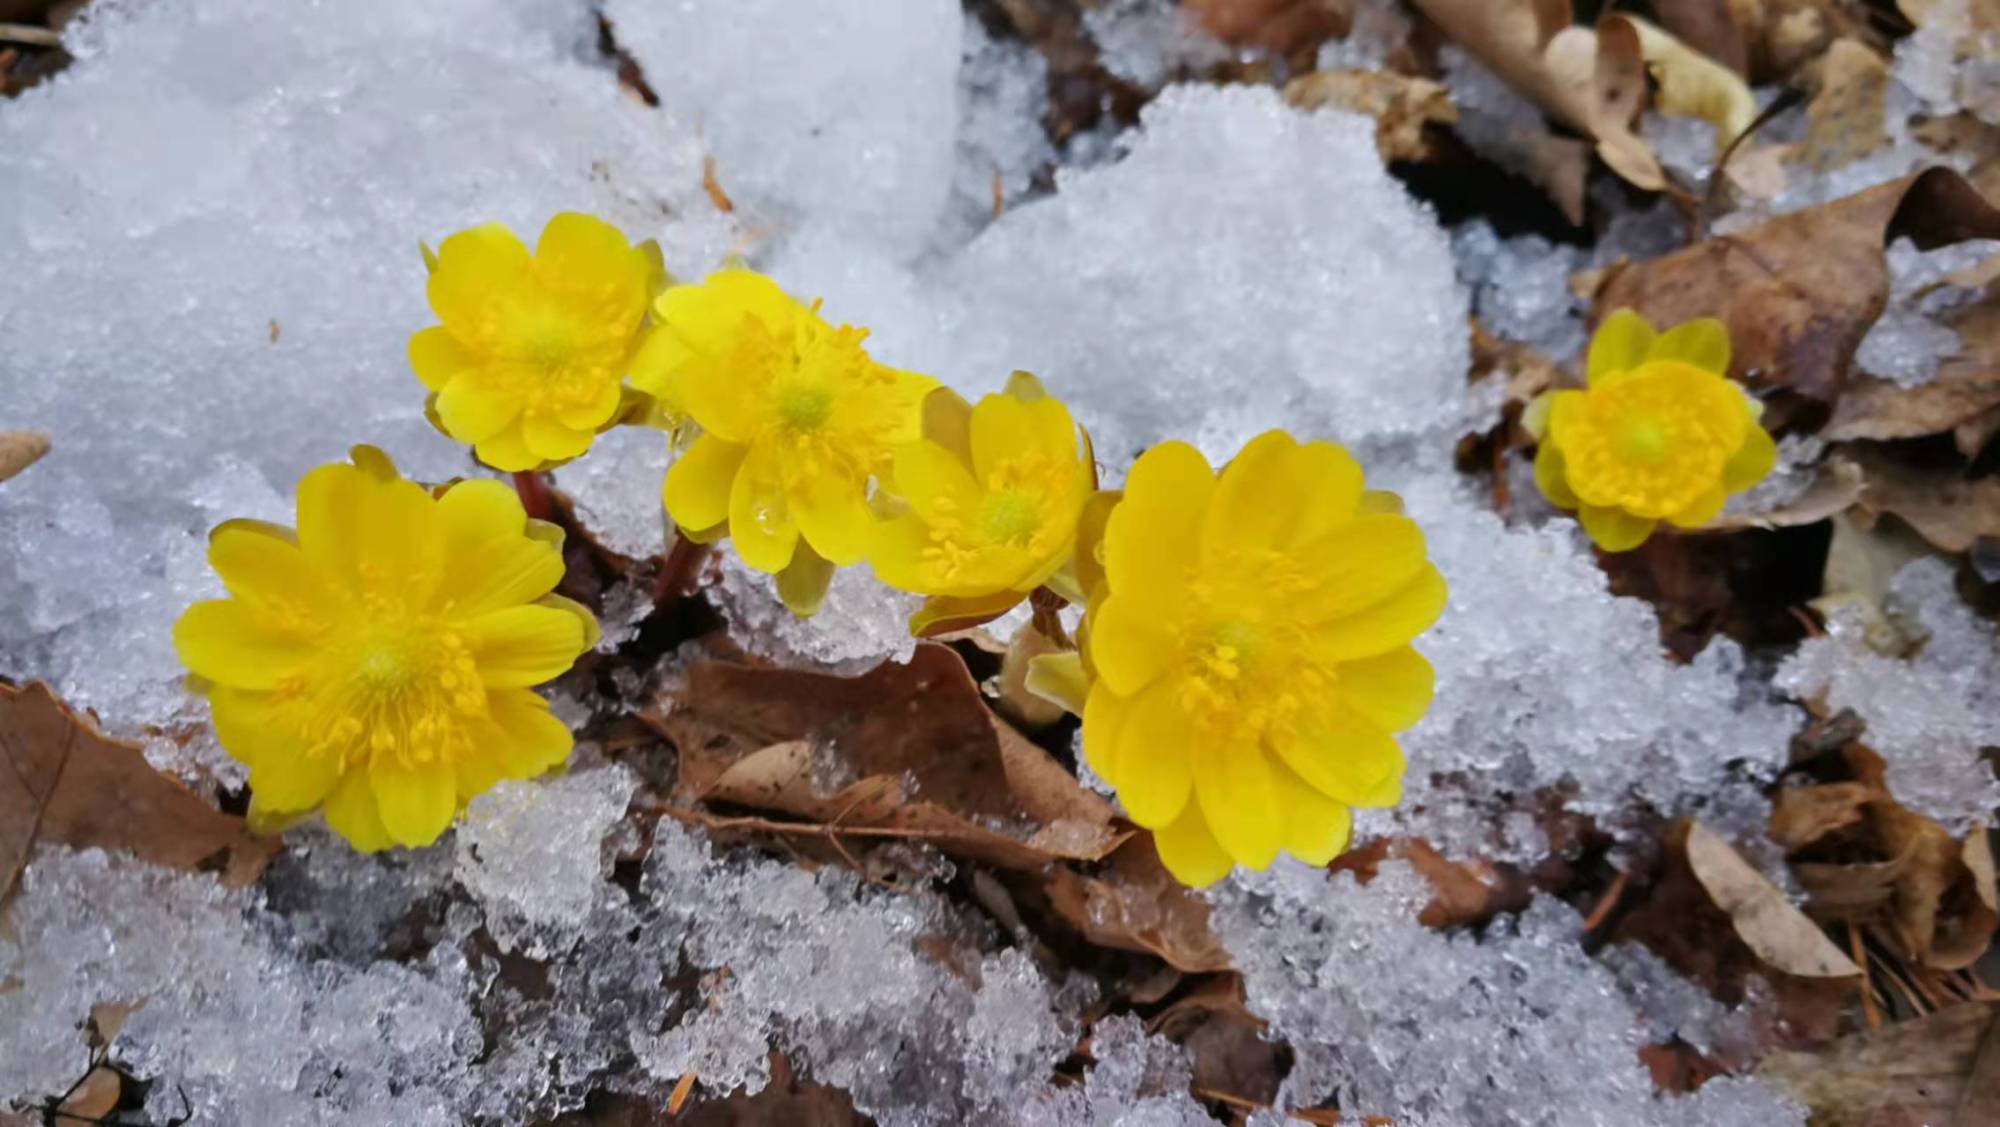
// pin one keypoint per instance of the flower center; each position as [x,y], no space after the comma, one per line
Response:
[804,406]
[1011,516]
[407,689]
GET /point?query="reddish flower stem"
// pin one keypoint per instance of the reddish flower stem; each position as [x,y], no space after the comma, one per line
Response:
[533,489]
[678,570]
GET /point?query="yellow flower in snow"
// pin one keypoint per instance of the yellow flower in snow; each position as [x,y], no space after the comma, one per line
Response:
[377,662]
[1660,433]
[994,494]
[529,362]
[796,420]
[1250,644]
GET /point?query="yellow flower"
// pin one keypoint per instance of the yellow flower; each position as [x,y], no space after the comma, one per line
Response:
[1250,644]
[528,363]
[796,420]
[1660,433]
[994,494]
[377,662]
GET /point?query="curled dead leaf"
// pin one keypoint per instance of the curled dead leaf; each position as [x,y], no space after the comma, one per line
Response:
[20,449]
[905,751]
[69,784]
[1945,506]
[1845,119]
[1779,933]
[1402,105]
[1133,904]
[1834,489]
[1798,292]
[1803,815]
[1906,1074]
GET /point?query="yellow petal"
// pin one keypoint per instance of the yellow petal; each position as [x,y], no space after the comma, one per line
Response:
[1315,828]
[1615,530]
[1059,678]
[833,516]
[592,414]
[1152,755]
[1332,481]
[1391,689]
[1104,717]
[1701,510]
[1239,798]
[257,727]
[474,267]
[1619,345]
[524,645]
[508,451]
[1088,558]
[1551,476]
[1152,538]
[934,481]
[416,801]
[231,643]
[492,560]
[296,782]
[261,563]
[1703,342]
[1129,645]
[706,316]
[351,812]
[1752,460]
[1055,433]
[436,356]
[902,404]
[583,256]
[1002,427]
[696,491]
[660,355]
[371,532]
[948,422]
[760,518]
[1257,497]
[586,620]
[1385,625]
[1535,416]
[803,583]
[550,440]
[1358,566]
[1190,852]
[1346,757]
[531,739]
[473,410]
[897,553]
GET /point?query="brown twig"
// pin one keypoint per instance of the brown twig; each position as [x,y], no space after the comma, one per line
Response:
[1710,197]
[1609,901]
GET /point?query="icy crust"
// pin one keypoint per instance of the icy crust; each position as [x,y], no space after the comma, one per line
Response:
[1545,679]
[1907,341]
[211,236]
[1929,716]
[1513,1029]
[841,116]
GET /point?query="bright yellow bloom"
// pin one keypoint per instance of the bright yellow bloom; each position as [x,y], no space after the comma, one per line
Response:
[994,494]
[1250,645]
[528,363]
[796,419]
[1660,433]
[377,662]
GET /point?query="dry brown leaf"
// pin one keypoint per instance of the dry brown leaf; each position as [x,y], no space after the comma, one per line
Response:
[1282,27]
[94,1098]
[66,783]
[1844,120]
[1402,105]
[1013,698]
[1780,934]
[1879,410]
[1946,508]
[1798,292]
[1707,26]
[1803,815]
[907,751]
[1134,904]
[1464,892]
[20,449]
[1226,1043]
[1834,490]
[1528,371]
[1907,1074]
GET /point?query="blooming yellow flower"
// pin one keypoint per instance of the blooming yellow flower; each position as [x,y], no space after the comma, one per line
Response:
[377,662]
[1660,433]
[994,495]
[1250,645]
[796,420]
[529,360]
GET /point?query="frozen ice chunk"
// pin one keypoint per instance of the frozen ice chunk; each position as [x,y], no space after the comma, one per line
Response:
[617,490]
[1147,42]
[211,237]
[1245,264]
[861,625]
[1515,1027]
[1520,287]
[1002,145]
[1545,678]
[534,851]
[1928,716]
[1375,29]
[833,116]
[1907,342]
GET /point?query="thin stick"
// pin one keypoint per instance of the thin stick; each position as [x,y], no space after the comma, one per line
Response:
[29,35]
[1869,1010]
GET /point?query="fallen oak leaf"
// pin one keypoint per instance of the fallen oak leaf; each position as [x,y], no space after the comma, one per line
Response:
[1834,489]
[1779,933]
[1846,118]
[1132,903]
[1948,509]
[1803,815]
[66,783]
[1907,1074]
[1402,106]
[1799,291]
